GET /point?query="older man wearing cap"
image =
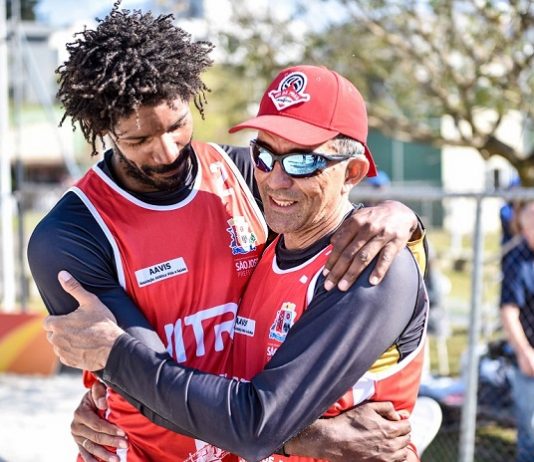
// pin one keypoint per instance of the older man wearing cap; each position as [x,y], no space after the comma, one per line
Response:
[310,151]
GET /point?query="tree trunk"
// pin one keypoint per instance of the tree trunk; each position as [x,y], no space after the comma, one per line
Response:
[525,169]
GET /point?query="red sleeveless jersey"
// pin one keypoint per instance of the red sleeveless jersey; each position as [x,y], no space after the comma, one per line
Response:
[274,300]
[185,266]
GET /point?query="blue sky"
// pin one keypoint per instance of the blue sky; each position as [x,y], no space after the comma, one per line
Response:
[61,12]
[65,12]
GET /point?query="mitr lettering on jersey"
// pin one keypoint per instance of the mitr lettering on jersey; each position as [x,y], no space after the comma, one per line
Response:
[213,326]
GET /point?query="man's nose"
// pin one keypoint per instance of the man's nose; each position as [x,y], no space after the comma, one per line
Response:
[168,149]
[278,178]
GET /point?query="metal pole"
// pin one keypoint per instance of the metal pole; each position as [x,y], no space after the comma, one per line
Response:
[45,100]
[398,161]
[469,409]
[18,96]
[6,203]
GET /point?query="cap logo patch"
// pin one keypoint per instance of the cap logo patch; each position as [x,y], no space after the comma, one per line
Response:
[290,91]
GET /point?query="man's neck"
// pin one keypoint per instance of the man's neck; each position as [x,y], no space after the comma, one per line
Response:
[121,176]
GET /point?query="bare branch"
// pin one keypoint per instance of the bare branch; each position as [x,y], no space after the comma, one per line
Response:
[493,146]
[412,52]
[419,61]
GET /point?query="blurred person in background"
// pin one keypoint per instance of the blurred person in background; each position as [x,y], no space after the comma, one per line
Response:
[380,182]
[517,314]
[507,214]
[438,286]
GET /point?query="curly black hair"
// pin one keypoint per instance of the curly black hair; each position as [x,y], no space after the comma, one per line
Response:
[130,59]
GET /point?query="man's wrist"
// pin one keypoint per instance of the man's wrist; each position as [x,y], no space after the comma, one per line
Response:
[283,450]
[114,358]
[308,443]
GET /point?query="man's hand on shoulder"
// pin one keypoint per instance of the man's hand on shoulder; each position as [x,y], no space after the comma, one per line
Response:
[382,230]
[83,338]
[370,432]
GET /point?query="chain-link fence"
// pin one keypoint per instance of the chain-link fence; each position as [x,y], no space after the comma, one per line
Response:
[471,367]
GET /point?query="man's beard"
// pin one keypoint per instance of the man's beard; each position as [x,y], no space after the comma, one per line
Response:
[144,174]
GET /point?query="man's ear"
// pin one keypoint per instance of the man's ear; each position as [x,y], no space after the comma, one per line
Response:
[356,171]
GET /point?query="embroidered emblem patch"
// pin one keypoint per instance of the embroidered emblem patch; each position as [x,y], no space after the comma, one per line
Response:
[284,320]
[290,91]
[242,239]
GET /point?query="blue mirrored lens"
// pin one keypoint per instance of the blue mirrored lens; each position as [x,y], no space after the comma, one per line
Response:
[296,165]
[264,160]
[303,164]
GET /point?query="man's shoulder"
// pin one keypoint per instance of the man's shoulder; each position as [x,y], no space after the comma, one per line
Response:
[520,253]
[403,276]
[64,205]
[240,157]
[68,233]
[405,265]
[238,154]
[67,216]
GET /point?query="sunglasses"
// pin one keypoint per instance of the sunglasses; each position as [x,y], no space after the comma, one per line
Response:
[297,164]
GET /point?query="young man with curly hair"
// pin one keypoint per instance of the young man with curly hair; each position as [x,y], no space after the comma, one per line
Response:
[163,223]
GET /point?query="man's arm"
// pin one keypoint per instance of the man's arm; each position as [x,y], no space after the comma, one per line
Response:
[372,233]
[92,433]
[517,338]
[369,432]
[292,391]
[373,430]
[512,298]
[69,238]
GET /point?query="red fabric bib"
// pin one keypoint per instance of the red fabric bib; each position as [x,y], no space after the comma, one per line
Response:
[185,266]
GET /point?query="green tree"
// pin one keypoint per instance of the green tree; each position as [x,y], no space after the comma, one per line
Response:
[27,9]
[257,44]
[422,62]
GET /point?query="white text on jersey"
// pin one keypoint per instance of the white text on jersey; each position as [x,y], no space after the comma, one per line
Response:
[175,332]
[160,271]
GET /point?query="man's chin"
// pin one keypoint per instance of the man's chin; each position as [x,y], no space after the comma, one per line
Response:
[281,224]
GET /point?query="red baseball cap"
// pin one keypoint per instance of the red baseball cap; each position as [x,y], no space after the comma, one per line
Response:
[310,105]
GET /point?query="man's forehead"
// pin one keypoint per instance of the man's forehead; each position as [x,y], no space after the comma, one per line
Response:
[143,115]
[275,139]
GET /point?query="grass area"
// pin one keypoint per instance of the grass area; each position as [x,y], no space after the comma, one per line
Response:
[456,346]
[32,113]
[494,443]
[459,268]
